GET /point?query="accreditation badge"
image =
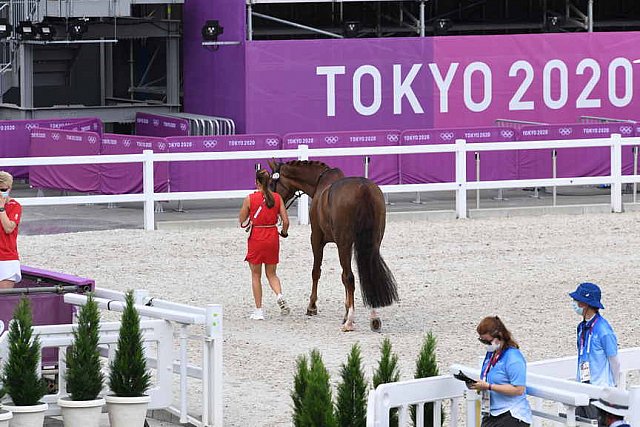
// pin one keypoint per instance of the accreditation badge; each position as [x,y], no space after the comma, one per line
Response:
[485,402]
[585,372]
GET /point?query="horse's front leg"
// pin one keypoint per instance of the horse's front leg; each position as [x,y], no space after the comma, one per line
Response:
[344,252]
[317,245]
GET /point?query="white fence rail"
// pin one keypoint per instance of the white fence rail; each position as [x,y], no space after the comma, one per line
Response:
[546,381]
[160,322]
[303,152]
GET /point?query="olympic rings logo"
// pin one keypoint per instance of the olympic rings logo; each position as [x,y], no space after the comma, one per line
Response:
[210,143]
[565,131]
[626,130]
[156,122]
[92,139]
[331,139]
[55,136]
[447,136]
[392,137]
[506,133]
[162,146]
[31,126]
[183,126]
[126,142]
[272,142]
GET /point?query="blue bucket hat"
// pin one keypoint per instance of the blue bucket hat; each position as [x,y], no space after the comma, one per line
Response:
[588,293]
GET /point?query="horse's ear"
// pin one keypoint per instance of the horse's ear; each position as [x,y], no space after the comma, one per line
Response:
[272,164]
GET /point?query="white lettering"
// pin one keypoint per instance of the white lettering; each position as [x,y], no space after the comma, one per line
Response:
[613,82]
[331,73]
[402,88]
[484,69]
[357,91]
[561,67]
[444,83]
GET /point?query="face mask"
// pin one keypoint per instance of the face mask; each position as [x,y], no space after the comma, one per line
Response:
[579,310]
[495,344]
[4,194]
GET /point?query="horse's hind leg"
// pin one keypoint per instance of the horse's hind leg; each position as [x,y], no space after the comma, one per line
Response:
[344,252]
[317,245]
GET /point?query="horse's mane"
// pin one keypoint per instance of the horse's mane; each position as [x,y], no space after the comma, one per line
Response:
[306,163]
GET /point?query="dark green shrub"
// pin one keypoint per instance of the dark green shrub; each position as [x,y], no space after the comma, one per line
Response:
[84,376]
[426,366]
[351,400]
[317,405]
[387,372]
[20,376]
[129,376]
[299,387]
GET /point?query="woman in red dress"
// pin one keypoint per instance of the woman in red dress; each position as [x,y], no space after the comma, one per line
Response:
[262,210]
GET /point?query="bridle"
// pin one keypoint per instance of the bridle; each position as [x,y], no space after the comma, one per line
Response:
[275,177]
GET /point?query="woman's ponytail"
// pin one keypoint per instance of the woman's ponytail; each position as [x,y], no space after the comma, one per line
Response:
[264,178]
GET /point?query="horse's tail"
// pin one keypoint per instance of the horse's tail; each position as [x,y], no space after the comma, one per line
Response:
[377,283]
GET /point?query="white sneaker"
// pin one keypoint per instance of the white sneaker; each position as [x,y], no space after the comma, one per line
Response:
[284,307]
[257,314]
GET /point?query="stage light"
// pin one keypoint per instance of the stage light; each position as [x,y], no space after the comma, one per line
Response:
[442,26]
[5,29]
[553,24]
[77,28]
[351,29]
[45,31]
[26,30]
[211,30]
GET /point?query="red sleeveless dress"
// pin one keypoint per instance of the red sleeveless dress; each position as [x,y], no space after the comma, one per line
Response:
[263,246]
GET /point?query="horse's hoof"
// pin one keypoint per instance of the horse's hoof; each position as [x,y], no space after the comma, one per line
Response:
[312,311]
[376,324]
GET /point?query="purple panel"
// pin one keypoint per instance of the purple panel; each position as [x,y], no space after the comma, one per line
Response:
[434,82]
[214,79]
[124,178]
[89,125]
[571,162]
[382,169]
[49,142]
[218,174]
[47,309]
[157,125]
[14,139]
[424,168]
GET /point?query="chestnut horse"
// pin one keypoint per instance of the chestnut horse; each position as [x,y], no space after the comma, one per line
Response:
[351,213]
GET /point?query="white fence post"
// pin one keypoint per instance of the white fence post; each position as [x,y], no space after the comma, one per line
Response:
[616,173]
[461,178]
[634,406]
[148,190]
[212,367]
[472,399]
[303,201]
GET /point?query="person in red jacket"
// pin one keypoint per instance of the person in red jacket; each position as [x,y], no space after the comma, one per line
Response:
[10,214]
[260,212]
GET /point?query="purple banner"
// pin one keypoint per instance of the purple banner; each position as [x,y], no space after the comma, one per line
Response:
[124,178]
[158,125]
[88,125]
[218,174]
[572,162]
[432,82]
[55,142]
[15,140]
[382,169]
[424,168]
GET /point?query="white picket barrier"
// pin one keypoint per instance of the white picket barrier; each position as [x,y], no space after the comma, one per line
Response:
[303,152]
[160,321]
[547,380]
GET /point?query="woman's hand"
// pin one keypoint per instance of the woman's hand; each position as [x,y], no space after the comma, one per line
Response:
[479,385]
[284,234]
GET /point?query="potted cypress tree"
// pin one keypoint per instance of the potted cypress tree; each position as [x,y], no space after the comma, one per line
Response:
[129,379]
[20,376]
[84,376]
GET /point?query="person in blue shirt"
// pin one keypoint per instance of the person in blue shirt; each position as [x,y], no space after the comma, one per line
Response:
[597,344]
[503,377]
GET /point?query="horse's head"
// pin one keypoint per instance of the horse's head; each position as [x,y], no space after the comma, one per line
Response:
[281,183]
